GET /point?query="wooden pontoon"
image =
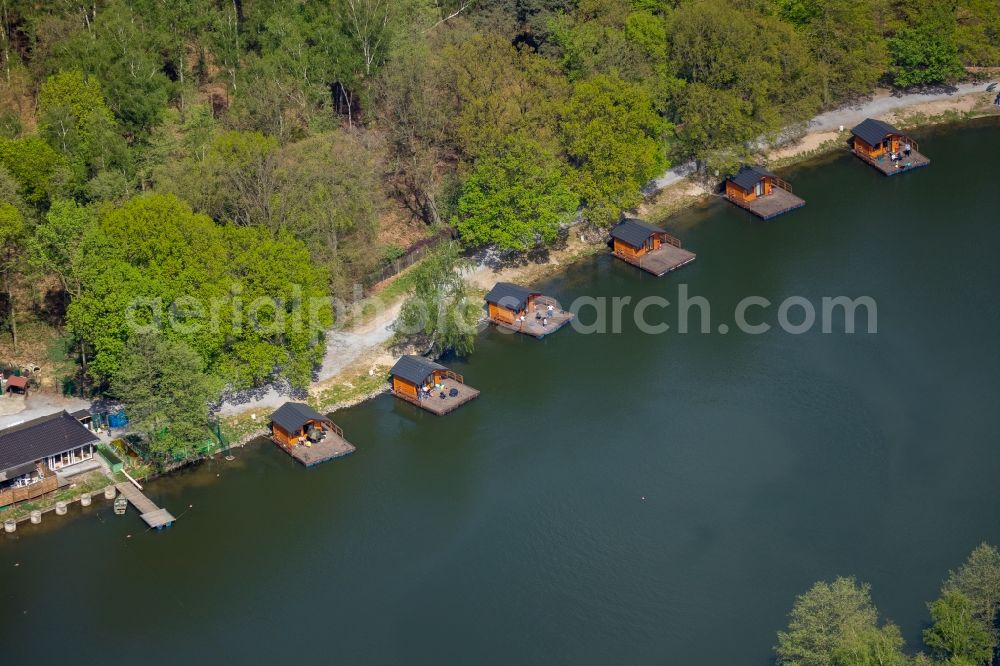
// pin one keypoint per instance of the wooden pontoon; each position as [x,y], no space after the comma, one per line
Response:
[429,385]
[877,142]
[518,309]
[761,192]
[306,435]
[151,514]
[650,248]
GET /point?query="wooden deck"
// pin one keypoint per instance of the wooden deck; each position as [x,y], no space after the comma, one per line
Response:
[770,205]
[890,168]
[333,445]
[435,404]
[532,324]
[153,515]
[662,260]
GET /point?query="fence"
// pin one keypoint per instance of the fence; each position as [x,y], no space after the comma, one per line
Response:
[413,254]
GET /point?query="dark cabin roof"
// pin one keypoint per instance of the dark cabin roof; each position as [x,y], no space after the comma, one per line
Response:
[634,232]
[291,416]
[872,131]
[510,296]
[748,176]
[414,369]
[31,441]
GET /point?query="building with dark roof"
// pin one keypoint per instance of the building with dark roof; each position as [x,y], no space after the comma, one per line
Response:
[761,192]
[516,308]
[873,132]
[307,435]
[648,247]
[429,385]
[510,297]
[635,233]
[886,148]
[416,371]
[32,452]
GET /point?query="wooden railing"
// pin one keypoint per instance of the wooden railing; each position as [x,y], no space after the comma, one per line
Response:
[451,374]
[783,184]
[335,428]
[671,240]
[46,485]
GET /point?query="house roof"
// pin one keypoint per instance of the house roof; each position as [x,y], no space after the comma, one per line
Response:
[510,296]
[17,382]
[634,232]
[291,416]
[414,369]
[748,176]
[872,131]
[40,438]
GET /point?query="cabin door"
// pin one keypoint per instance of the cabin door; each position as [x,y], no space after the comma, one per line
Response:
[758,189]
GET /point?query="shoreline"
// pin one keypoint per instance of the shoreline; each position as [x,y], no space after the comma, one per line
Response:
[821,140]
[366,377]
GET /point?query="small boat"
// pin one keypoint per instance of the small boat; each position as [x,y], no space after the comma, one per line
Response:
[121,504]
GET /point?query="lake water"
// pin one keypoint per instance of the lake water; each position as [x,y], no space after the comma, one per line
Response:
[620,498]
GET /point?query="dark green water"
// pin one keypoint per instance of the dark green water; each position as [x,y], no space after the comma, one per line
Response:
[515,530]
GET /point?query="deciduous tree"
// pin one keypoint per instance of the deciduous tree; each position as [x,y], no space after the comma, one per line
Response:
[956,633]
[439,308]
[516,199]
[614,140]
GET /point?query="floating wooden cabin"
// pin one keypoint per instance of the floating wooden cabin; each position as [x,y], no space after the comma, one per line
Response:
[877,143]
[648,247]
[761,192]
[306,435]
[516,308]
[429,385]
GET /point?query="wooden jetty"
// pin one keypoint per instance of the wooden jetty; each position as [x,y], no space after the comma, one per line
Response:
[515,308]
[648,247]
[153,515]
[429,385]
[761,192]
[877,143]
[308,436]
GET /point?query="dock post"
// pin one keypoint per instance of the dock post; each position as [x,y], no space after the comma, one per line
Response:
[110,492]
[36,517]
[60,508]
[85,499]
[9,525]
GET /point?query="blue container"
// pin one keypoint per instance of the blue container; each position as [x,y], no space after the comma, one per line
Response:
[117,420]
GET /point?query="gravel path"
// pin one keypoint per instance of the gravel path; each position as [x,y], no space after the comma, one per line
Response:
[343,347]
[16,409]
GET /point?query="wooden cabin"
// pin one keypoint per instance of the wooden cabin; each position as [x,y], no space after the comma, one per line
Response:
[516,308]
[761,192]
[507,302]
[885,147]
[648,247]
[429,385]
[307,435]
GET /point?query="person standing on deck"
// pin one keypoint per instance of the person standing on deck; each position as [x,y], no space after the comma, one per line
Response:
[907,148]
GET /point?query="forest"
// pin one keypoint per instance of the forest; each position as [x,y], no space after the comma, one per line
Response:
[182,152]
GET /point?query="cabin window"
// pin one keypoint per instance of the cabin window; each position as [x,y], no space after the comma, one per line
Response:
[758,189]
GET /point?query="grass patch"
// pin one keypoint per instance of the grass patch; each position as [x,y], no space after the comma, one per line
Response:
[350,391]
